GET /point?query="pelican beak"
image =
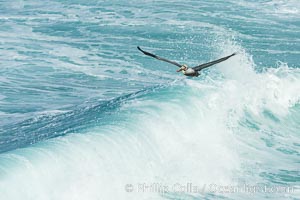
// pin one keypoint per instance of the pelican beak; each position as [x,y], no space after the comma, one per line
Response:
[180,69]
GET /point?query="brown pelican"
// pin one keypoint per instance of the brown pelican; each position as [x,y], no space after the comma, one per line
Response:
[188,71]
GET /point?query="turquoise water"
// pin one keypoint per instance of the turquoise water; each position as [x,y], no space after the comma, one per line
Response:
[85,115]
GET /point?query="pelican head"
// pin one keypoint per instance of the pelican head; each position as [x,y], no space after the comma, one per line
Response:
[184,67]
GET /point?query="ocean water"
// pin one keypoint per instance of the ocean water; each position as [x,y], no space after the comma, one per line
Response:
[85,115]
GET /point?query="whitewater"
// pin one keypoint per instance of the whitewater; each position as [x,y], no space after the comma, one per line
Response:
[85,115]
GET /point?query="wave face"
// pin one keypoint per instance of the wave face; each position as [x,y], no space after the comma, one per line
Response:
[84,115]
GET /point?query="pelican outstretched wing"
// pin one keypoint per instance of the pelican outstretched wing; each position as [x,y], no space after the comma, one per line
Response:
[205,65]
[159,58]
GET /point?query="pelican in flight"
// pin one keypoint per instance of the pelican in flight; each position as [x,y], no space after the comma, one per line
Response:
[188,71]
